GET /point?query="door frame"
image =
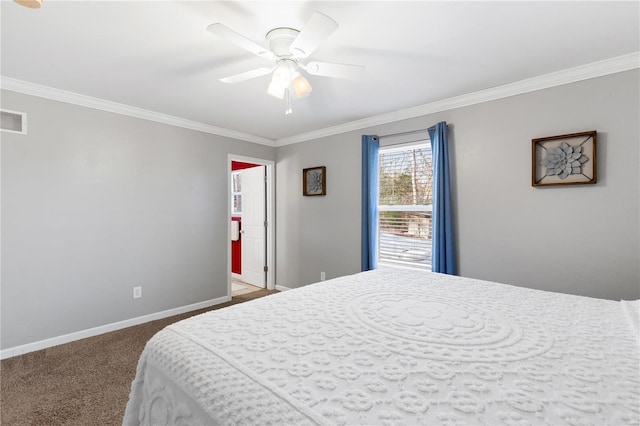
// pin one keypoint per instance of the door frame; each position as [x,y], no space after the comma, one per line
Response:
[270,217]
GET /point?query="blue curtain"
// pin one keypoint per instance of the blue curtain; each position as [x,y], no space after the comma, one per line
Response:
[370,178]
[443,253]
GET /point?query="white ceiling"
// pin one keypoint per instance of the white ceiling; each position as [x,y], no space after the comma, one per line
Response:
[158,56]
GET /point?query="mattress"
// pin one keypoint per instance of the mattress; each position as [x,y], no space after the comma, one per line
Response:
[396,348]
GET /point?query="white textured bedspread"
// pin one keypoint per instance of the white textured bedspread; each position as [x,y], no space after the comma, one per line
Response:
[396,347]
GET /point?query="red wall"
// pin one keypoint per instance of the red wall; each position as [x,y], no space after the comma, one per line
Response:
[238,165]
[236,246]
[236,252]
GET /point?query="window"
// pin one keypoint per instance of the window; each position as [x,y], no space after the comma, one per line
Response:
[405,206]
[236,194]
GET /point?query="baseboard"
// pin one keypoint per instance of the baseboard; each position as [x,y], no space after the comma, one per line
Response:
[282,288]
[83,334]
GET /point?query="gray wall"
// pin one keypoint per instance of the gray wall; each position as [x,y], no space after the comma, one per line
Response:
[95,203]
[578,239]
[319,233]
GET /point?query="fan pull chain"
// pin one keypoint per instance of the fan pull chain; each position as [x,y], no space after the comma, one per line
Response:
[287,102]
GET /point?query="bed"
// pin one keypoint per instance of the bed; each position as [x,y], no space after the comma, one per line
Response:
[396,347]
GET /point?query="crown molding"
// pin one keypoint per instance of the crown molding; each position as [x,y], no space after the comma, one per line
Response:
[545,81]
[33,89]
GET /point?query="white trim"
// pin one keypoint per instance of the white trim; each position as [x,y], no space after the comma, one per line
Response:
[271,214]
[282,288]
[390,264]
[83,334]
[33,89]
[545,81]
[571,75]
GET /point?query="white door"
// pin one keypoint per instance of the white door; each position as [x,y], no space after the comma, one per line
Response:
[253,218]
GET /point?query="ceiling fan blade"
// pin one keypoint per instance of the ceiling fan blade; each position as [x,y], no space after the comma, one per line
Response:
[319,27]
[327,69]
[240,41]
[237,78]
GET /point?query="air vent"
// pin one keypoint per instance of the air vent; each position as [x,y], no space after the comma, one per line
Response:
[13,122]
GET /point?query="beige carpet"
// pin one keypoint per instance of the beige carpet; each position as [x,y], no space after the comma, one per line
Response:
[81,383]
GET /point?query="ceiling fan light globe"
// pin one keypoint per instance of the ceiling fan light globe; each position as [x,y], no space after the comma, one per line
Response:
[32,4]
[282,75]
[302,86]
[276,89]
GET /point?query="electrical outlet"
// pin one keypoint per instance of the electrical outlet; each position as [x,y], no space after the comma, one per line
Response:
[322,276]
[137,292]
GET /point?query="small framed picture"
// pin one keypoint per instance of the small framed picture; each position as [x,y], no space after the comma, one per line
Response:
[314,181]
[564,160]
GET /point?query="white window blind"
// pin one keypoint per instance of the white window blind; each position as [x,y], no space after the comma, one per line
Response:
[405,206]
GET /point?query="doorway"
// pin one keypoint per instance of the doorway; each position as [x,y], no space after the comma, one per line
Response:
[250,225]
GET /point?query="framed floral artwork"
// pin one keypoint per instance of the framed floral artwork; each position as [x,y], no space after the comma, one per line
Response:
[564,160]
[314,181]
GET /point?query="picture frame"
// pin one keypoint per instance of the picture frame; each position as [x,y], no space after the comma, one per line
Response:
[314,181]
[564,160]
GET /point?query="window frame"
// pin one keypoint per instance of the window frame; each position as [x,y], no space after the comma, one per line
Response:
[399,146]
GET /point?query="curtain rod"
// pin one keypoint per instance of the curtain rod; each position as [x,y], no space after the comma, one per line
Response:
[408,133]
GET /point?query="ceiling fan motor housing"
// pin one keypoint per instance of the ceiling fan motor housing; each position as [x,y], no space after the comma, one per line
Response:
[280,39]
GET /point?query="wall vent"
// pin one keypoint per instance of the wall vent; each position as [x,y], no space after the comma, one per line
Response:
[13,122]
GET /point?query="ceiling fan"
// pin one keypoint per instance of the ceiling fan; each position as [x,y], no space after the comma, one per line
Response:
[288,48]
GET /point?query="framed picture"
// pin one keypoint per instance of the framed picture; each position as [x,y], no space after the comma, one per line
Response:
[314,181]
[564,160]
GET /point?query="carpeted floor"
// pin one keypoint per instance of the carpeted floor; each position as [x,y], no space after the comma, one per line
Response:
[81,383]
